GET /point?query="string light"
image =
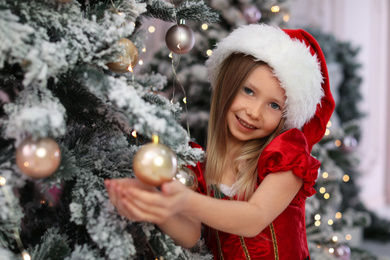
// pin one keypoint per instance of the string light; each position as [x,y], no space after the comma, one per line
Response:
[346,178]
[329,124]
[2,181]
[317,217]
[134,134]
[331,250]
[325,175]
[322,190]
[286,18]
[339,215]
[26,256]
[275,8]
[151,29]
[205,27]
[330,222]
[327,132]
[317,223]
[141,62]
[337,143]
[335,238]
[209,52]
[326,196]
[348,237]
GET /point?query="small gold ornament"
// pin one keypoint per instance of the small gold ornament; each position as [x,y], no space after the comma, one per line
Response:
[187,177]
[38,159]
[127,59]
[154,164]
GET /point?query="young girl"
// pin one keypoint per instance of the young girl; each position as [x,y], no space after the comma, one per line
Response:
[271,103]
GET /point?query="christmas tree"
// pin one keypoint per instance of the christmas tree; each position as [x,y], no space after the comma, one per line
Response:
[72,115]
[335,210]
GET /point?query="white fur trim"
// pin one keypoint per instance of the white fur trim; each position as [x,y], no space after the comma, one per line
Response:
[297,70]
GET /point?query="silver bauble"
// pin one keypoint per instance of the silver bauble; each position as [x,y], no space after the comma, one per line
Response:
[187,177]
[180,39]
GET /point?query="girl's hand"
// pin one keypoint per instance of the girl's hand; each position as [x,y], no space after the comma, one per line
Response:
[141,202]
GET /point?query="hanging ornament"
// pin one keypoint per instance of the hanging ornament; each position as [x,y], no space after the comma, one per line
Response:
[127,59]
[349,144]
[154,164]
[187,177]
[343,252]
[180,39]
[38,159]
[252,14]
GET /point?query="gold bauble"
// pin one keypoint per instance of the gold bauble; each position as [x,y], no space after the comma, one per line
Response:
[154,164]
[187,177]
[39,158]
[127,59]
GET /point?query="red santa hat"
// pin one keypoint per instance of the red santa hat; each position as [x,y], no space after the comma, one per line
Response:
[297,61]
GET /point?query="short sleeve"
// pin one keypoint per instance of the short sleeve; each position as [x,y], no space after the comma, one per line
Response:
[289,151]
[198,170]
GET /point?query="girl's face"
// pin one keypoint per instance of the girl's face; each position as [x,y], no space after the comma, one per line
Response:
[257,108]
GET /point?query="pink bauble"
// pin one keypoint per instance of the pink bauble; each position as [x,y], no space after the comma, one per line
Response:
[154,164]
[252,14]
[39,158]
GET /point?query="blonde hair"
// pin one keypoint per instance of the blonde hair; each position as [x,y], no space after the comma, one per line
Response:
[234,72]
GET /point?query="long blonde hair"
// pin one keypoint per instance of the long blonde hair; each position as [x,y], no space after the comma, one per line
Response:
[233,73]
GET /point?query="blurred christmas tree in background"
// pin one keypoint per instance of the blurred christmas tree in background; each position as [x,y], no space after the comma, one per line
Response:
[73,114]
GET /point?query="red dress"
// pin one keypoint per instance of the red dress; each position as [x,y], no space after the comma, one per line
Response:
[285,237]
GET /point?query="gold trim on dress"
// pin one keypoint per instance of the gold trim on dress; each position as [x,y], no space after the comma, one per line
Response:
[219,245]
[245,249]
[273,234]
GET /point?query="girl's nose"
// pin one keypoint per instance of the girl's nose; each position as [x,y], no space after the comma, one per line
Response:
[254,111]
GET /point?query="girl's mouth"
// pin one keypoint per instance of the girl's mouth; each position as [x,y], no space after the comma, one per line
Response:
[245,123]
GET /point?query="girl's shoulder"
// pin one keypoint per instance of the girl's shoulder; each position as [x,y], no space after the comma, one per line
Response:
[290,151]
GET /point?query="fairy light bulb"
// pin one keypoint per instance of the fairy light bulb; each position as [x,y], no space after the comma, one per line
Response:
[337,143]
[326,196]
[134,134]
[317,217]
[286,18]
[275,8]
[348,237]
[2,181]
[325,175]
[331,250]
[26,256]
[151,29]
[346,178]
[205,27]
[322,190]
[329,124]
[335,239]
[327,132]
[330,222]
[317,223]
[209,53]
[338,215]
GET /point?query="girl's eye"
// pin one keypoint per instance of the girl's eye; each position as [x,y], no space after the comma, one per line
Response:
[248,91]
[274,105]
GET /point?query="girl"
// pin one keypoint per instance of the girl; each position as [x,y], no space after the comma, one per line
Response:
[271,103]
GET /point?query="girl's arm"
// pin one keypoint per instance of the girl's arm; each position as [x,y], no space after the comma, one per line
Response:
[247,218]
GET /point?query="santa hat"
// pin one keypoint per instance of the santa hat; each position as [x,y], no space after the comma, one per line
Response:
[297,61]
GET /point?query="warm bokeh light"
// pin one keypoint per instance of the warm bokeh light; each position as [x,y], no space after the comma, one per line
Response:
[346,178]
[151,29]
[205,26]
[325,175]
[275,8]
